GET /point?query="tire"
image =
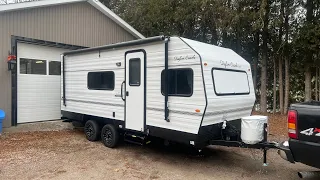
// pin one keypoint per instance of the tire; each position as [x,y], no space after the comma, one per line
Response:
[110,136]
[92,130]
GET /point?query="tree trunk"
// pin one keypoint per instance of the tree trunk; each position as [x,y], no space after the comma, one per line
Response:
[238,33]
[256,59]
[274,86]
[280,54]
[307,82]
[287,86]
[307,69]
[263,88]
[316,91]
[281,86]
[286,61]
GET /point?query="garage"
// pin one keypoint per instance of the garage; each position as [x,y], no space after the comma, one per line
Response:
[33,35]
[38,78]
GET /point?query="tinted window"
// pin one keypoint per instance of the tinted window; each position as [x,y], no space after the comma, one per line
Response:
[101,80]
[134,72]
[180,82]
[33,66]
[54,68]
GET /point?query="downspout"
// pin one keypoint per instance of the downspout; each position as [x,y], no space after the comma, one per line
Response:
[166,108]
[63,81]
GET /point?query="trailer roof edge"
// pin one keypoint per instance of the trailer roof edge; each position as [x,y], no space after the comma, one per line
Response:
[118,45]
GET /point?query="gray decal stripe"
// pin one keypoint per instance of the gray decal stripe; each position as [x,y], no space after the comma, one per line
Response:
[176,111]
[228,111]
[91,102]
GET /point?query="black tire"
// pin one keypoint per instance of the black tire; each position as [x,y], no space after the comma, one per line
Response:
[92,130]
[110,136]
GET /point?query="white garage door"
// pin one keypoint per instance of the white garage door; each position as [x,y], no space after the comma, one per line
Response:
[39,69]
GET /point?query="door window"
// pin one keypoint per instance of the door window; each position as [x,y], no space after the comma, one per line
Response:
[134,72]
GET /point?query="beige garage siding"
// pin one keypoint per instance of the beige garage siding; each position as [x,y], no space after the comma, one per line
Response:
[77,24]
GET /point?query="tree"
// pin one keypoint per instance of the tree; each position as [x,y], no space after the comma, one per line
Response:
[280,58]
[263,89]
[309,56]
[252,28]
[286,57]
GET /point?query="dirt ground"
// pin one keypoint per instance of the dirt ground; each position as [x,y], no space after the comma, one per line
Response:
[66,154]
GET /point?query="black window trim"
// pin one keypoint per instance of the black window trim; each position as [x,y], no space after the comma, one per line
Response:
[178,95]
[229,94]
[135,85]
[102,89]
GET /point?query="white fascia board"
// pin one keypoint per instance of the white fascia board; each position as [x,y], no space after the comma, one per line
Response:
[35,4]
[106,11]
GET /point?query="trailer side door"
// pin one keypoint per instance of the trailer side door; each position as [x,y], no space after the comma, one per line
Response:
[135,90]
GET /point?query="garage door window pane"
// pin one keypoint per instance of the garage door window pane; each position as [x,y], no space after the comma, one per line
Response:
[101,80]
[54,68]
[33,66]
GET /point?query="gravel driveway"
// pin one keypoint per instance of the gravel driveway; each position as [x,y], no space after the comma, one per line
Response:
[68,155]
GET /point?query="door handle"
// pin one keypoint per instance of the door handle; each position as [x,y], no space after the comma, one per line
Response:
[127,93]
[123,99]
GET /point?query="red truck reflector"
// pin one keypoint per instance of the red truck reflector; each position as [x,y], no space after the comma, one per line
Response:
[292,124]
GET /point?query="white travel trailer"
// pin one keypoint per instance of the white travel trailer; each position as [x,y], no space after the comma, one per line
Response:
[167,87]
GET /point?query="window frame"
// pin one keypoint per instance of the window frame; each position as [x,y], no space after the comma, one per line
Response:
[45,63]
[102,89]
[229,94]
[136,85]
[178,95]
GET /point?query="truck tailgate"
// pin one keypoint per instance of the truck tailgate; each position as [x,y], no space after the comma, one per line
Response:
[308,124]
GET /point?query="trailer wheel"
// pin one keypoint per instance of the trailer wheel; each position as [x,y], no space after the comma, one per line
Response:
[110,136]
[92,130]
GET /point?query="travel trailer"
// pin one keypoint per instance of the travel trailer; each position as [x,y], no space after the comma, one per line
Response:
[171,88]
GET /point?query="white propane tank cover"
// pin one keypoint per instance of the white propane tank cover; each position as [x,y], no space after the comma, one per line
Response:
[252,129]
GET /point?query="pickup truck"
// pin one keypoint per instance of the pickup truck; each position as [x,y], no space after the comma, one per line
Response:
[304,134]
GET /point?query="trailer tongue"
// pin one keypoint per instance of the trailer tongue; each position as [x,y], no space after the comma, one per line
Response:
[261,131]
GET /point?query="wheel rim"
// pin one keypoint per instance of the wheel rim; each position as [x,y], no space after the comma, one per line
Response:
[107,136]
[89,130]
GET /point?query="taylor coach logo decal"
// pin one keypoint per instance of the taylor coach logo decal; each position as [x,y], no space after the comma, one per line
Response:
[229,64]
[182,58]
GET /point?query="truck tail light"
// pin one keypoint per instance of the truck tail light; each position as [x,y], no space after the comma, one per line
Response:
[292,124]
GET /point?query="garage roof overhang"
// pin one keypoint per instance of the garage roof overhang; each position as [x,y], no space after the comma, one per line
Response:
[95,3]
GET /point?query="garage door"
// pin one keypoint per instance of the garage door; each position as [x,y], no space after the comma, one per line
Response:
[39,70]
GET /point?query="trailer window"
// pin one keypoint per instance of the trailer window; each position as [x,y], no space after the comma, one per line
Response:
[134,72]
[230,82]
[33,66]
[101,80]
[180,82]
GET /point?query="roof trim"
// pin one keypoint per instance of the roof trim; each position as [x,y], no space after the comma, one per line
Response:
[95,3]
[119,45]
